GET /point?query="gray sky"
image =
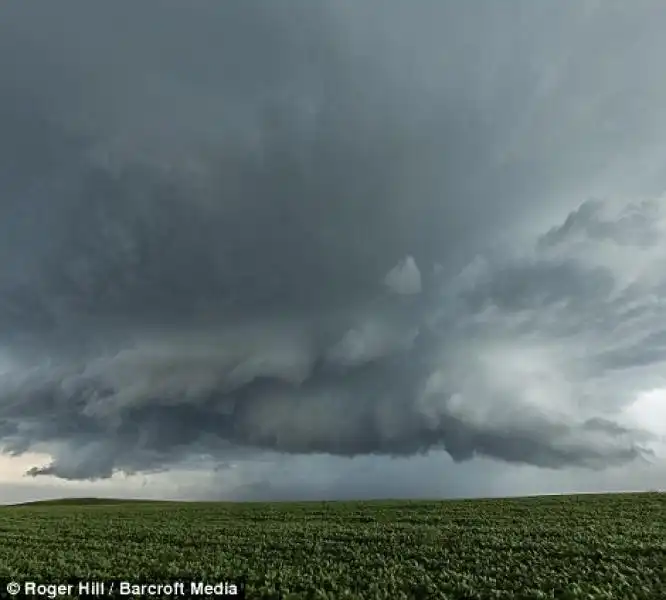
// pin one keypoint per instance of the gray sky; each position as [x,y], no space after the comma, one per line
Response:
[351,249]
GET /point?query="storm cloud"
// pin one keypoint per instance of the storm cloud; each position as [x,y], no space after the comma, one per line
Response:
[351,229]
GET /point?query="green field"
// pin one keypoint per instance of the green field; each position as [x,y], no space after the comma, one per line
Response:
[611,546]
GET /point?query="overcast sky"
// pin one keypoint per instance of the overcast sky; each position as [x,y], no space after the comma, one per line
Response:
[313,249]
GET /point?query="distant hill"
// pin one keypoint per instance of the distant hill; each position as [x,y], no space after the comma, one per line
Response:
[90,501]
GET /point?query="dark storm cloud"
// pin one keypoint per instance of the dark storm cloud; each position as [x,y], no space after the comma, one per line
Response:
[234,228]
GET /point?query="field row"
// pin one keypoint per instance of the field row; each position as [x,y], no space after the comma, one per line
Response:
[567,547]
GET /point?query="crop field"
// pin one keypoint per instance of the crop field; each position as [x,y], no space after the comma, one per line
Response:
[611,546]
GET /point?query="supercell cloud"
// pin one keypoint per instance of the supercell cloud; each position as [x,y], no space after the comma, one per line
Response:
[330,229]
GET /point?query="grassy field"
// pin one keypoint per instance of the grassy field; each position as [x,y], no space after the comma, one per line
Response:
[611,546]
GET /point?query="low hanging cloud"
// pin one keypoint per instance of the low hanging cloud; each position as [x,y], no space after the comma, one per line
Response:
[404,278]
[319,250]
[518,362]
